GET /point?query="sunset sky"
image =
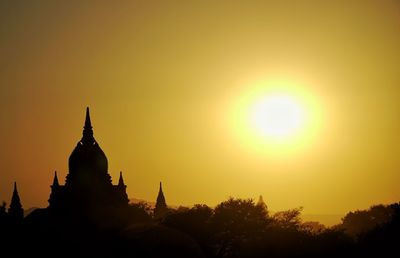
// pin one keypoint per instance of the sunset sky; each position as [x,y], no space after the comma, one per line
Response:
[170,85]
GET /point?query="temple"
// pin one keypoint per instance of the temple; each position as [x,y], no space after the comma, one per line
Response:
[88,194]
[88,187]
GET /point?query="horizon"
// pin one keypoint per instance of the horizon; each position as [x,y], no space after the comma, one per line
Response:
[171,87]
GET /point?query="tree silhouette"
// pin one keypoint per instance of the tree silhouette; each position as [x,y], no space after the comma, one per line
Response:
[313,227]
[237,223]
[195,222]
[289,219]
[361,221]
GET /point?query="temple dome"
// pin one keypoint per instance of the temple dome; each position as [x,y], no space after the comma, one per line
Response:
[88,158]
[87,161]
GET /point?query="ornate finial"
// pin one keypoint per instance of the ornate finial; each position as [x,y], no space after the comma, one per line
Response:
[15,187]
[55,180]
[88,124]
[160,187]
[121,179]
[87,137]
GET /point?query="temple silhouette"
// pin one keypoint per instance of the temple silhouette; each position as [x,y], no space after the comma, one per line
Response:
[88,193]
[88,186]
[89,216]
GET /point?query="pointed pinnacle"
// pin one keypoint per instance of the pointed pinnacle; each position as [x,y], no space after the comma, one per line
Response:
[87,135]
[55,180]
[121,179]
[88,123]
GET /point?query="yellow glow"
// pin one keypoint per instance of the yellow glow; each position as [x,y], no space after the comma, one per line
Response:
[277,116]
[171,87]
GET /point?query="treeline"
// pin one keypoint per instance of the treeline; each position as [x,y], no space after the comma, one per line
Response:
[234,228]
[242,228]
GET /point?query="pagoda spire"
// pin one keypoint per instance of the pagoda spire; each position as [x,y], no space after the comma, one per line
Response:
[160,197]
[88,123]
[121,180]
[15,211]
[161,207]
[87,129]
[55,180]
[260,200]
[262,204]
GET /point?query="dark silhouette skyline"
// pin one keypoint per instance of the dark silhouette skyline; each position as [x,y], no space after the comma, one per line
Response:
[171,95]
[88,216]
[272,125]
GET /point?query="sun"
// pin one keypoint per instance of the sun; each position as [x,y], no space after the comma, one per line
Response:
[276,116]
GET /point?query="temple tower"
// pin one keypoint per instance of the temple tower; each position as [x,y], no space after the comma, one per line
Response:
[15,212]
[161,208]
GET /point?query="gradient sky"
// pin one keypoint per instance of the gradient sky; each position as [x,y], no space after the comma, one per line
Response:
[162,79]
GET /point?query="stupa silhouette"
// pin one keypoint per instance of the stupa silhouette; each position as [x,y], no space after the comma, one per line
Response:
[88,186]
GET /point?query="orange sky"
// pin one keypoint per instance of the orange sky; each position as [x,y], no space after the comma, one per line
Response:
[162,79]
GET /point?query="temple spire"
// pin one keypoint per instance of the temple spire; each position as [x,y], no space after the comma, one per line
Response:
[55,180]
[160,197]
[262,204]
[15,211]
[88,123]
[260,200]
[87,137]
[161,208]
[121,179]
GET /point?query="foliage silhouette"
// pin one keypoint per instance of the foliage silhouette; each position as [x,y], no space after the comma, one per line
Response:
[361,221]
[234,228]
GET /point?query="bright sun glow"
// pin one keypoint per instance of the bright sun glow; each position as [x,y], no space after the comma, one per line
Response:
[276,116]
